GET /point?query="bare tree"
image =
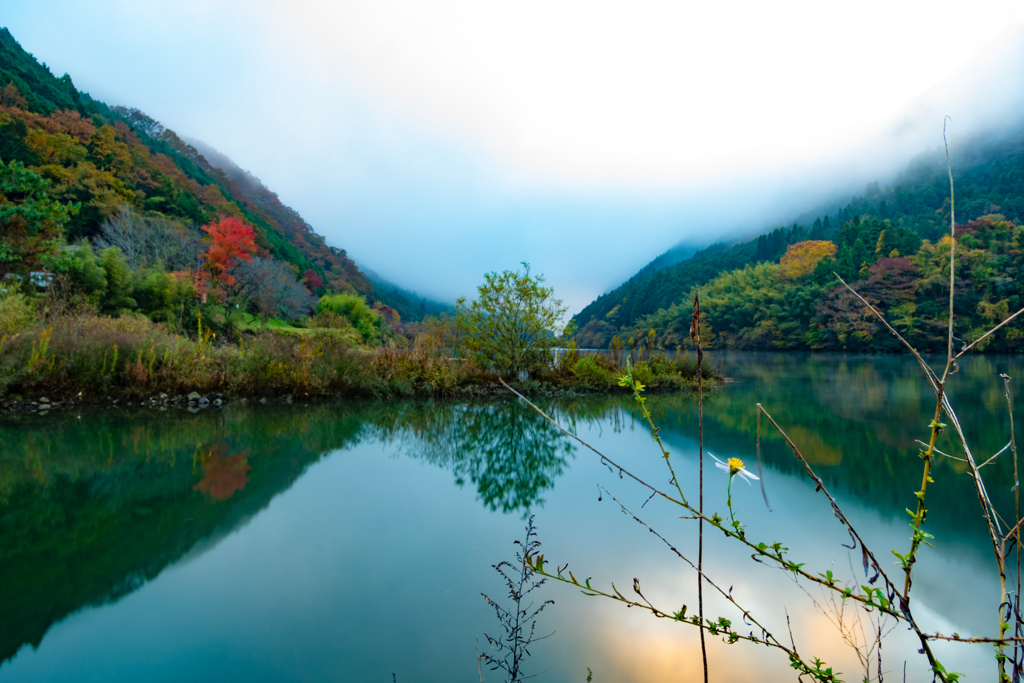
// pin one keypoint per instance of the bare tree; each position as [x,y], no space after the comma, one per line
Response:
[140,121]
[272,288]
[148,240]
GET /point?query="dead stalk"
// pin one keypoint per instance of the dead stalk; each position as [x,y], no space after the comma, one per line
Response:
[695,335]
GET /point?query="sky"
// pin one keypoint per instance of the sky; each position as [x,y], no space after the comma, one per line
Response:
[436,141]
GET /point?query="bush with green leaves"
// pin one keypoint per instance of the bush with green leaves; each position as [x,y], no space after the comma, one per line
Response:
[593,370]
[165,298]
[512,325]
[16,312]
[120,285]
[353,308]
[85,271]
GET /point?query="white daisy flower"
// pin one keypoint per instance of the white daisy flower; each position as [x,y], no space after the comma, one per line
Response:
[734,466]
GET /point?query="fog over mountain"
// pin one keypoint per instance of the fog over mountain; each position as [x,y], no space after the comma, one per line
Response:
[437,143]
[983,100]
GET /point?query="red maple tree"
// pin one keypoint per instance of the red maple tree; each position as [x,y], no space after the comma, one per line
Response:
[232,242]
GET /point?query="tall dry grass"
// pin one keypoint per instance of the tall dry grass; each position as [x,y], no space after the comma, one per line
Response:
[97,356]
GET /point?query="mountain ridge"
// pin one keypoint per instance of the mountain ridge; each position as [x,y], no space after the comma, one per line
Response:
[989,172]
[100,157]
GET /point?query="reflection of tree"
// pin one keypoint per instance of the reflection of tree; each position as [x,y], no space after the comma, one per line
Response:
[856,418]
[222,474]
[90,509]
[504,448]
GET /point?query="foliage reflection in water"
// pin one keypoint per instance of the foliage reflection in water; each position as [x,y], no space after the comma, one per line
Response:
[96,506]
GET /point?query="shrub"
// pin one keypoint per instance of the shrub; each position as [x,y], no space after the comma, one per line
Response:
[15,312]
[166,298]
[119,281]
[592,370]
[85,271]
[353,308]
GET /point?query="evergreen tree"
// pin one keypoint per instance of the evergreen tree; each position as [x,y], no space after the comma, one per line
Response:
[761,253]
[818,230]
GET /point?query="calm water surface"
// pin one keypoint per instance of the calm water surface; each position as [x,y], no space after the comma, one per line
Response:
[351,542]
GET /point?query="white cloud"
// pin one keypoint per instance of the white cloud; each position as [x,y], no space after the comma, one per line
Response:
[437,141]
[655,92]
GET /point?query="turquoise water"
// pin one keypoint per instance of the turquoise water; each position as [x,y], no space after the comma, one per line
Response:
[351,542]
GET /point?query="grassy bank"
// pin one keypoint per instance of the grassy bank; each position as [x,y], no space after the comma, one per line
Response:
[94,358]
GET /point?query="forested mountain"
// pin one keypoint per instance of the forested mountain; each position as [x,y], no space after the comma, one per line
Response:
[409,305]
[779,291]
[78,163]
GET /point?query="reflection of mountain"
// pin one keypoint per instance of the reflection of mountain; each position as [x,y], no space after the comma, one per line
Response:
[856,419]
[98,506]
[91,509]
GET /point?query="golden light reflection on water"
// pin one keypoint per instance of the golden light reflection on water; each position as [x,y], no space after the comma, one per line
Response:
[634,647]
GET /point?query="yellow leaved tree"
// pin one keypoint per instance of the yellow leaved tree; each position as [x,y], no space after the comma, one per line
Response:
[801,258]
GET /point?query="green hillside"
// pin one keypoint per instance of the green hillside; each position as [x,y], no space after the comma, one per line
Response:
[888,242]
[88,161]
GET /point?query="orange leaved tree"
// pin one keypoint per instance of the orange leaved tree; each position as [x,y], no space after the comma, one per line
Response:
[231,243]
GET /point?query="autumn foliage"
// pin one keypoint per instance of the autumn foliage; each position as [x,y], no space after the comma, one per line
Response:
[223,474]
[312,280]
[801,258]
[231,242]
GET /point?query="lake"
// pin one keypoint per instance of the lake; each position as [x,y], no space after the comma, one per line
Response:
[352,541]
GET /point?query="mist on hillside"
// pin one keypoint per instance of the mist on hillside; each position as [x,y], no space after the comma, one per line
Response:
[433,153]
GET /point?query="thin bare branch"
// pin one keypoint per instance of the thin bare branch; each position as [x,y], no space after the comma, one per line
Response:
[986,335]
[1001,451]
[820,486]
[725,594]
[957,638]
[940,452]
[695,336]
[952,253]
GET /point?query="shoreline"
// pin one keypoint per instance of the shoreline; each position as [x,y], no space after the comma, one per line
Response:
[98,359]
[196,402]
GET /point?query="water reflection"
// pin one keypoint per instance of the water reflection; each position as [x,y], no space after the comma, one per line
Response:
[97,505]
[223,473]
[857,420]
[93,507]
[501,447]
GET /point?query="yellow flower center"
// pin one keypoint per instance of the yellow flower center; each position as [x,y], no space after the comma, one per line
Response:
[735,465]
